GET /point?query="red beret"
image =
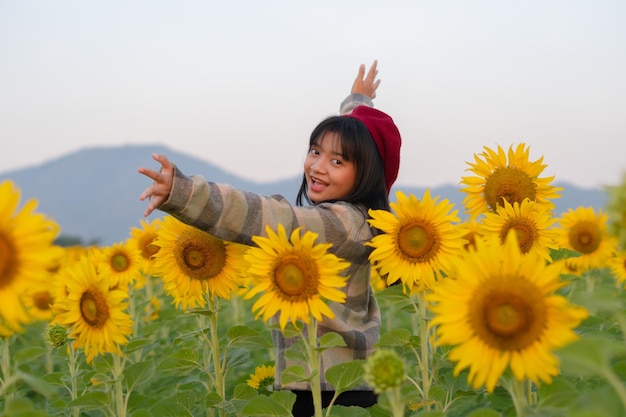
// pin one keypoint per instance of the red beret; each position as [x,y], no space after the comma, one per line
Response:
[387,138]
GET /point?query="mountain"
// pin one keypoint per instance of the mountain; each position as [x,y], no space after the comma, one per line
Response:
[93,194]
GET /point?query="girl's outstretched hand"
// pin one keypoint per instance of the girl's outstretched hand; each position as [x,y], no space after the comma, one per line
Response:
[366,84]
[159,191]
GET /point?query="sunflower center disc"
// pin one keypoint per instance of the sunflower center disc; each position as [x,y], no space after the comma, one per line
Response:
[148,249]
[506,318]
[194,258]
[290,278]
[43,300]
[415,241]
[94,309]
[7,261]
[119,262]
[585,237]
[200,255]
[89,310]
[526,236]
[510,184]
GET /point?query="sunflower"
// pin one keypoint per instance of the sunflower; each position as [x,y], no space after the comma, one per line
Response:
[570,267]
[500,309]
[262,377]
[585,231]
[377,281]
[192,263]
[294,276]
[38,301]
[26,252]
[471,232]
[143,239]
[40,295]
[119,264]
[532,223]
[618,266]
[93,310]
[616,209]
[419,240]
[384,370]
[499,178]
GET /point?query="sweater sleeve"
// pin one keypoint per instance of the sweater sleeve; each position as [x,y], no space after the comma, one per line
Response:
[236,215]
[353,100]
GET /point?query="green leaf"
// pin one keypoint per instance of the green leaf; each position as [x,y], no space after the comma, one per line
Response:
[202,312]
[437,393]
[297,352]
[237,357]
[484,412]
[394,338]
[589,356]
[557,394]
[103,364]
[293,373]
[27,354]
[136,344]
[394,295]
[141,413]
[331,339]
[37,384]
[563,253]
[343,411]
[181,360]
[284,397]
[55,378]
[244,391]
[92,399]
[22,407]
[169,408]
[247,338]
[278,404]
[138,372]
[345,375]
[212,399]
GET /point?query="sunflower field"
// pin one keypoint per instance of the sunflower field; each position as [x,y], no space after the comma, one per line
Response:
[513,311]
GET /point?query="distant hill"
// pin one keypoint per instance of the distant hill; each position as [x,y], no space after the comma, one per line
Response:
[94,193]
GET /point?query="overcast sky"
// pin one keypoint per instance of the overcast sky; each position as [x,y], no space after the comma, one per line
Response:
[241,84]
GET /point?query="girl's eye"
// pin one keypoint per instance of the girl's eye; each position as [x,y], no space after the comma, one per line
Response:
[337,162]
[314,151]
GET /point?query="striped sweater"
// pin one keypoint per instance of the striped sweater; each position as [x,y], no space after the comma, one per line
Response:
[235,215]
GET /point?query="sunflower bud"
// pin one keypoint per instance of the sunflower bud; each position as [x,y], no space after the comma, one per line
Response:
[57,335]
[384,370]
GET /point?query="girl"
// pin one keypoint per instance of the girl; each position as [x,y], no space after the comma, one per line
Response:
[352,162]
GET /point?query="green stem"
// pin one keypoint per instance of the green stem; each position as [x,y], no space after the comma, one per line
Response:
[621,319]
[531,397]
[396,403]
[118,369]
[315,368]
[424,342]
[215,348]
[5,367]
[516,390]
[617,385]
[590,282]
[73,367]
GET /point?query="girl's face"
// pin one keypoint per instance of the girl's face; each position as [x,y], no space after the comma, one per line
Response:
[328,175]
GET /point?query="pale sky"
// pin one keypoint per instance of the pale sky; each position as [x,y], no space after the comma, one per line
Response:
[241,84]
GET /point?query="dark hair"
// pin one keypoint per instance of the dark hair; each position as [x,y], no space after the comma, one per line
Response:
[358,147]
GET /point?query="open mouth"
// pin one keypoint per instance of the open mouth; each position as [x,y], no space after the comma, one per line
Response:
[318,181]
